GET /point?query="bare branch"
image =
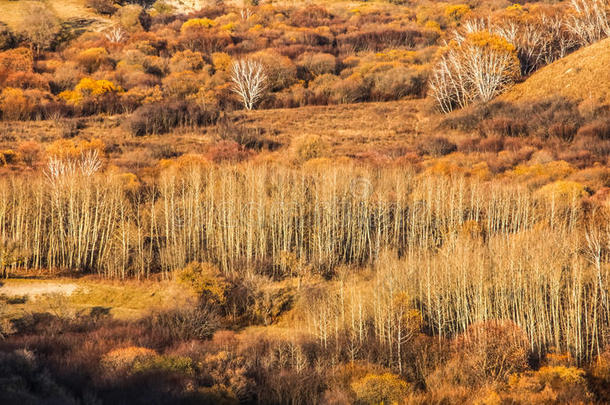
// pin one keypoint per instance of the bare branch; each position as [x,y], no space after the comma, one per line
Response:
[249,81]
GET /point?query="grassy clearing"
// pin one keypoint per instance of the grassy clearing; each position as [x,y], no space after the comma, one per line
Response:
[12,12]
[123,299]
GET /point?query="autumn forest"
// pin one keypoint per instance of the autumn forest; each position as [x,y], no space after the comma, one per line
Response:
[328,202]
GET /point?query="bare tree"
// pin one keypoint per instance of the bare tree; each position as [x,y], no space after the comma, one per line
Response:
[249,81]
[589,23]
[40,26]
[115,35]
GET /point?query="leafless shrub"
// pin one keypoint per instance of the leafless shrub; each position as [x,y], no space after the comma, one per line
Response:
[590,20]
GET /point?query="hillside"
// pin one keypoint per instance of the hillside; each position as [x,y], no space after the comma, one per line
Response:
[584,74]
[12,12]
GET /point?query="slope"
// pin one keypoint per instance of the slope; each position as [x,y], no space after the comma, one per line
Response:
[582,75]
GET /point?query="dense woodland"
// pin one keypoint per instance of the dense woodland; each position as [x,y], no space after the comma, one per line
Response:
[462,256]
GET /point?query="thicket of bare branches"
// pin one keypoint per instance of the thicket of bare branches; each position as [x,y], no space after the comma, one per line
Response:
[589,22]
[462,250]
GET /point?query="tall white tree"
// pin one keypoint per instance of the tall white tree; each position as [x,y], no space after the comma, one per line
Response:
[249,81]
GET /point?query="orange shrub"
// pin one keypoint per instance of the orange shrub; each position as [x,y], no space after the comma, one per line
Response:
[205,41]
[30,152]
[455,12]
[280,70]
[436,146]
[395,82]
[119,361]
[491,350]
[206,280]
[93,59]
[184,84]
[17,60]
[352,89]
[308,147]
[132,18]
[597,129]
[28,80]
[91,90]
[228,151]
[221,61]
[564,191]
[14,104]
[316,64]
[186,60]
[551,384]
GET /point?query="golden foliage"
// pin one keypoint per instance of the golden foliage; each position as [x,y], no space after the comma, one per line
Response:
[384,388]
[221,61]
[197,24]
[91,87]
[455,12]
[123,359]
[205,279]
[563,191]
[93,58]
[88,87]
[75,148]
[556,384]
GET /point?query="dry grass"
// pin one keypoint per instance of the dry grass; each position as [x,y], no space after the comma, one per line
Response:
[583,75]
[12,12]
[124,300]
[388,128]
[349,129]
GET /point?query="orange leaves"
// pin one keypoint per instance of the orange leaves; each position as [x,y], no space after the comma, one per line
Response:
[186,60]
[14,104]
[74,149]
[17,60]
[550,384]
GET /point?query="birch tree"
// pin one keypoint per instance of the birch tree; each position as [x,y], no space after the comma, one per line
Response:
[249,81]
